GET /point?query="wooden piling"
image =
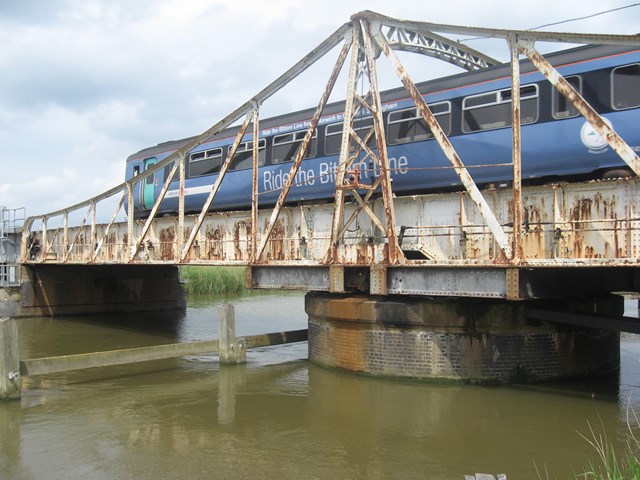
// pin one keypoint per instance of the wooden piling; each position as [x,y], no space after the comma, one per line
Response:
[232,349]
[10,382]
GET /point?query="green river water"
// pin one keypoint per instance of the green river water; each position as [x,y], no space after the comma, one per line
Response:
[281,417]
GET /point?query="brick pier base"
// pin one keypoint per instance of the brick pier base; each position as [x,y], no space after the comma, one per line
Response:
[460,340]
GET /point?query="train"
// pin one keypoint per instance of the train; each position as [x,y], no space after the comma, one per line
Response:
[473,109]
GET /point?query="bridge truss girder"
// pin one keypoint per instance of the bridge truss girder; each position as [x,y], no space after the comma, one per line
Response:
[366,36]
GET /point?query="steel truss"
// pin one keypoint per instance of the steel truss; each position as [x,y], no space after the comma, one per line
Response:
[365,38]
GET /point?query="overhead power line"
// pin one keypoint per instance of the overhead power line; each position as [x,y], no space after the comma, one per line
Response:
[566,21]
[585,17]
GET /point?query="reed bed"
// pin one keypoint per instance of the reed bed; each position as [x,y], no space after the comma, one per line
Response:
[206,280]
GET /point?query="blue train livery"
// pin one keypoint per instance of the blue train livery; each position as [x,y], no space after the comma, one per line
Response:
[474,110]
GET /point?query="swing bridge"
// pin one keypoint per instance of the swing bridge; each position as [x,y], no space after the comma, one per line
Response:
[507,241]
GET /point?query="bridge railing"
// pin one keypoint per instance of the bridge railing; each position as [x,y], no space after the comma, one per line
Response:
[493,228]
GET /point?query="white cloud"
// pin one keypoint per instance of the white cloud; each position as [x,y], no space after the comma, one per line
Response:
[85,83]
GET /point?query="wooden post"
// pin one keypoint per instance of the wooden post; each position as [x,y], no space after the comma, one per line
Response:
[9,360]
[232,349]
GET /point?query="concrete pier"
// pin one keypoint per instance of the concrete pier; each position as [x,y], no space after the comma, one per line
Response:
[49,290]
[472,341]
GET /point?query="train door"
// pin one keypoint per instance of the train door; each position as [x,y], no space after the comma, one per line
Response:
[148,189]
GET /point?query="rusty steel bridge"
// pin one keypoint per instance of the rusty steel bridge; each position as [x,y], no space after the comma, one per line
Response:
[510,242]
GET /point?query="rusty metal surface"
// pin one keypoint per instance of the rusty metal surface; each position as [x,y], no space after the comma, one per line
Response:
[412,37]
[304,146]
[591,223]
[394,254]
[516,151]
[216,186]
[448,149]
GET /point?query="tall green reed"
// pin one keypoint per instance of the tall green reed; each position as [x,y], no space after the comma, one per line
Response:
[201,280]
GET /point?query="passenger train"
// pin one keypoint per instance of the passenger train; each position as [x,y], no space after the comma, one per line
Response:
[474,110]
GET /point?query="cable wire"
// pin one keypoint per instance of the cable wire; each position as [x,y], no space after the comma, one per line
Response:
[564,21]
[585,17]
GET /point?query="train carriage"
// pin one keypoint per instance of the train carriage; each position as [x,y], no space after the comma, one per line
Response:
[474,110]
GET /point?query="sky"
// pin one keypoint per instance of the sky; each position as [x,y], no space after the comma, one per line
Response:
[86,83]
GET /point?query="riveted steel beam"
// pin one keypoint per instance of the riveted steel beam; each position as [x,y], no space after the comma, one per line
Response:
[216,186]
[302,150]
[560,37]
[395,254]
[516,151]
[426,42]
[445,144]
[108,228]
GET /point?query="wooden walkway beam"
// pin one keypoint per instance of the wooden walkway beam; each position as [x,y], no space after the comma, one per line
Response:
[65,363]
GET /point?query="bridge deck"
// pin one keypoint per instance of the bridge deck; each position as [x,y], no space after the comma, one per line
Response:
[576,227]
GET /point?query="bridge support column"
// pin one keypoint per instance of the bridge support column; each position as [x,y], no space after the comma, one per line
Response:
[459,340]
[50,290]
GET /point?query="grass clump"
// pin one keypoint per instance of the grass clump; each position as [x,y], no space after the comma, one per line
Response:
[611,464]
[206,280]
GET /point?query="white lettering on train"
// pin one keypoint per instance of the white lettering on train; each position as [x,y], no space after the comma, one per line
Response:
[277,180]
[327,172]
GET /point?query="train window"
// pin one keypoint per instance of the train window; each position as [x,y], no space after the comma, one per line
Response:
[286,146]
[205,163]
[244,155]
[333,138]
[333,135]
[493,110]
[408,125]
[563,108]
[625,85]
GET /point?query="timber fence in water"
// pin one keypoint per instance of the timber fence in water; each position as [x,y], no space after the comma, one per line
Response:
[231,350]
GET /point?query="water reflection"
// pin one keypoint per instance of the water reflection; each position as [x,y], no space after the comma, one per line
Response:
[230,378]
[280,417]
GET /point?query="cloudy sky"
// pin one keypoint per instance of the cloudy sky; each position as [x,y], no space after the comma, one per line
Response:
[85,83]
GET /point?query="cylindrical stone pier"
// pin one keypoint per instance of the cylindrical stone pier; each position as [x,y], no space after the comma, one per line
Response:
[459,340]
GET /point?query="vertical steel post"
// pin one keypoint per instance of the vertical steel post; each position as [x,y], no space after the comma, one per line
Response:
[394,252]
[338,208]
[254,187]
[182,176]
[44,246]
[65,230]
[130,220]
[93,237]
[517,150]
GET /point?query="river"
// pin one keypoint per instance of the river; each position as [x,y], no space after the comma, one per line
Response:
[279,416]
